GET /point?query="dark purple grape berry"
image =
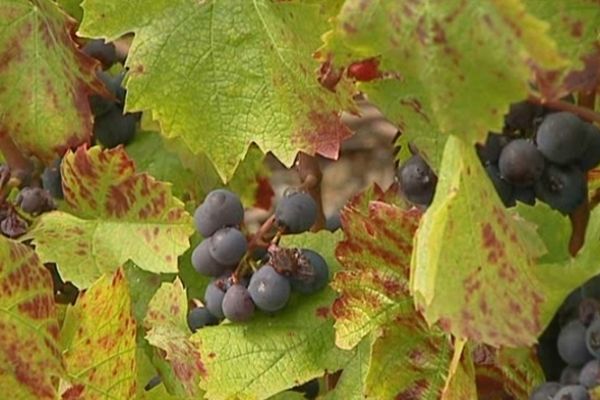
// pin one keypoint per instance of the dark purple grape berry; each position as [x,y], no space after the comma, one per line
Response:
[269,290]
[312,277]
[545,391]
[562,137]
[106,53]
[417,181]
[237,304]
[591,156]
[35,200]
[590,374]
[114,128]
[572,344]
[227,246]
[220,208]
[504,189]
[521,163]
[200,317]
[572,392]
[296,212]
[562,188]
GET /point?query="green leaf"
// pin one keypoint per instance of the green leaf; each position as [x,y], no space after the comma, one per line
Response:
[475,263]
[142,287]
[272,353]
[441,61]
[72,7]
[30,358]
[269,354]
[152,155]
[117,215]
[166,322]
[252,82]
[351,385]
[44,79]
[552,227]
[573,25]
[98,339]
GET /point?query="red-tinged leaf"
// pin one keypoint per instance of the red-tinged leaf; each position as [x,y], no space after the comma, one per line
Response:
[166,322]
[44,79]
[98,339]
[30,358]
[506,373]
[376,253]
[117,215]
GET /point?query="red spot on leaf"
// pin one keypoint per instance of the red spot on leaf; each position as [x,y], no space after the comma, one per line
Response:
[322,312]
[365,70]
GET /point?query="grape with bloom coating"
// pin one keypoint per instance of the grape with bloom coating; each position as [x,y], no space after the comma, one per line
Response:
[220,208]
[269,290]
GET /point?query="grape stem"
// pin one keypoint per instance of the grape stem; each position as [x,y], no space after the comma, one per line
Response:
[257,240]
[311,176]
[21,167]
[580,110]
[581,216]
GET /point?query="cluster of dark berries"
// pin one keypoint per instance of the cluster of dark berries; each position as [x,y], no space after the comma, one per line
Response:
[247,276]
[541,154]
[112,126]
[571,342]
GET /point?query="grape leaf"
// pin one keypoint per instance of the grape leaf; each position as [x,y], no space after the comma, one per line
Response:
[574,27]
[98,339]
[44,79]
[72,7]
[30,357]
[553,228]
[439,62]
[374,301]
[373,284]
[117,215]
[506,372]
[351,385]
[253,82]
[475,263]
[166,322]
[272,353]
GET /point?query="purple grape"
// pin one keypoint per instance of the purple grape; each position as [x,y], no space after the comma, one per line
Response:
[317,278]
[213,298]
[296,212]
[590,374]
[227,246]
[572,344]
[52,179]
[545,391]
[417,181]
[114,128]
[521,163]
[237,304]
[591,156]
[200,317]
[562,188]
[34,200]
[572,392]
[562,137]
[592,337]
[269,290]
[203,261]
[220,208]
[106,53]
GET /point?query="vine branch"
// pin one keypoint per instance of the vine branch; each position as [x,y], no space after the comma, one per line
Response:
[311,177]
[580,110]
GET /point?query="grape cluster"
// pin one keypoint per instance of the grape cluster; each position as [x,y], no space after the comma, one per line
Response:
[572,340]
[541,154]
[246,275]
[112,126]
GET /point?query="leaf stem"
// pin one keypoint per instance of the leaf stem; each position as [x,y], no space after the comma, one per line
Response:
[257,240]
[311,177]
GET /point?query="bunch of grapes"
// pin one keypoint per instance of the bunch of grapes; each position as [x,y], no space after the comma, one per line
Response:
[541,154]
[573,341]
[255,274]
[112,126]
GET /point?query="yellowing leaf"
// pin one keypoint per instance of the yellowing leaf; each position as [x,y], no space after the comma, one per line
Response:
[44,80]
[30,358]
[246,75]
[98,339]
[117,215]
[168,330]
[448,67]
[475,263]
